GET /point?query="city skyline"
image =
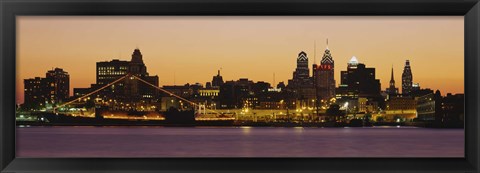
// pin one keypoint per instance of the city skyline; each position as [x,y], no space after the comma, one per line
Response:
[204,68]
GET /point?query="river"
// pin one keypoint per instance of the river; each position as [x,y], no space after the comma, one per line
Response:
[150,141]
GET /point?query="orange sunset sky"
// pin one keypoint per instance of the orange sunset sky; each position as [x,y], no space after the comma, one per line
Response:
[191,49]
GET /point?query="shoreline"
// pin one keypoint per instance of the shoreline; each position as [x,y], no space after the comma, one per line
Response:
[233,124]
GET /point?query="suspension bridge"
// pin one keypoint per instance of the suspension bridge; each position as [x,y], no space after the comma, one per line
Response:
[200,109]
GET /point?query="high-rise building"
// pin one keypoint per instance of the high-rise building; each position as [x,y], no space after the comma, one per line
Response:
[392,90]
[33,93]
[58,86]
[128,90]
[135,89]
[109,71]
[324,76]
[301,75]
[407,79]
[302,84]
[48,91]
[358,81]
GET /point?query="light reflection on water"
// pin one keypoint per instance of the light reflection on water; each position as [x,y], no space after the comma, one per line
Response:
[152,141]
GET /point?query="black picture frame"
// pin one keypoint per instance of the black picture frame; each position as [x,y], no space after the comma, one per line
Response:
[9,9]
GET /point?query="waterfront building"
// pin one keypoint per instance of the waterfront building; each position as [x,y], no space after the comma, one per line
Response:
[129,91]
[401,109]
[407,79]
[109,71]
[33,93]
[429,106]
[453,109]
[136,90]
[47,92]
[57,86]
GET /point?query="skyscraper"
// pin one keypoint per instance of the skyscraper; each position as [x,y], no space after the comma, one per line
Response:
[301,75]
[407,79]
[324,75]
[302,84]
[392,90]
[359,81]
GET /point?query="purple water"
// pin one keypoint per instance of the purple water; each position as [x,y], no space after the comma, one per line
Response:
[238,142]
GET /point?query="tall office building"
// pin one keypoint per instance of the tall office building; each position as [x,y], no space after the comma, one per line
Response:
[359,81]
[407,79]
[301,85]
[301,75]
[324,77]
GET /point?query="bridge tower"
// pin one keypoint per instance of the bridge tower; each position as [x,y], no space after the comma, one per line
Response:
[202,109]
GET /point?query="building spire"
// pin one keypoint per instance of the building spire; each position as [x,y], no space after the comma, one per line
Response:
[327,43]
[391,78]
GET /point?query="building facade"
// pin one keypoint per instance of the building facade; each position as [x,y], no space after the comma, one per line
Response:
[407,79]
[301,85]
[47,92]
[324,77]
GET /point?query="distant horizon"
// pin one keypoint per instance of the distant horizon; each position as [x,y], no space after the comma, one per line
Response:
[190,49]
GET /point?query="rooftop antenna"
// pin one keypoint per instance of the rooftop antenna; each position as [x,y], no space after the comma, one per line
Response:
[327,43]
[173,77]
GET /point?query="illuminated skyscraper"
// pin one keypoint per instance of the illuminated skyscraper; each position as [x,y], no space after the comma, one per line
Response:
[324,75]
[407,79]
[301,75]
[302,84]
